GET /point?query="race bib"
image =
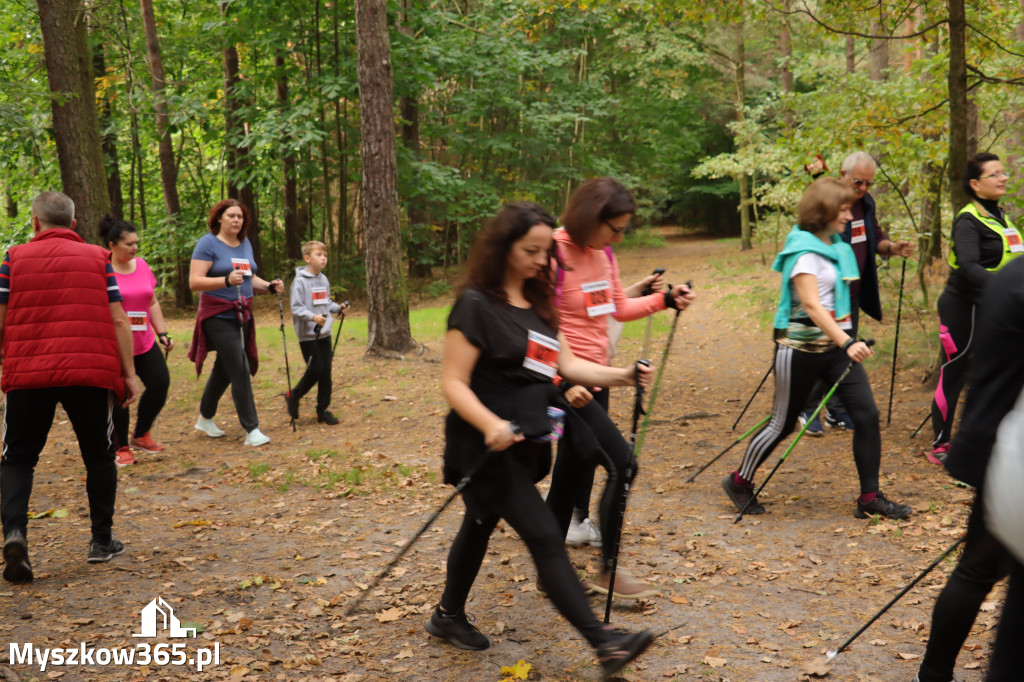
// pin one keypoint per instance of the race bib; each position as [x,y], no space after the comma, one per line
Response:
[137,321]
[858,235]
[541,354]
[597,296]
[321,296]
[243,265]
[1013,239]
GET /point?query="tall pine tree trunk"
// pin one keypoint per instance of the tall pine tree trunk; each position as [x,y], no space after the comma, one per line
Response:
[108,137]
[740,85]
[76,128]
[957,101]
[387,293]
[292,224]
[165,151]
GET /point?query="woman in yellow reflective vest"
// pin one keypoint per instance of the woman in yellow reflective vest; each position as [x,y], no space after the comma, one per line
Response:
[984,240]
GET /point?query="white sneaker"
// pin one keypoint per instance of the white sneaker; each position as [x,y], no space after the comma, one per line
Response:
[256,438]
[582,533]
[208,427]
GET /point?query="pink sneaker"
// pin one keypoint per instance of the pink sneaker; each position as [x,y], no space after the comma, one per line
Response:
[938,454]
[123,457]
[145,442]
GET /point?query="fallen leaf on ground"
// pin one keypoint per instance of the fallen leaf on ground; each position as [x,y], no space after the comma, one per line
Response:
[519,671]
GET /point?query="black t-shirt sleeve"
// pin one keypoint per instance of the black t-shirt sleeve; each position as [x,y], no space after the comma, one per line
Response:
[470,316]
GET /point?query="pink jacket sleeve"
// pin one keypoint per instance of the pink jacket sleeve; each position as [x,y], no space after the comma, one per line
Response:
[627,309]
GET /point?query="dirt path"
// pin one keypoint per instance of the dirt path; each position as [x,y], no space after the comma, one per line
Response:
[263,549]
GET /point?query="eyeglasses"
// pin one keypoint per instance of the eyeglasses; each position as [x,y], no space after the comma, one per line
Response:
[1000,174]
[617,229]
[857,182]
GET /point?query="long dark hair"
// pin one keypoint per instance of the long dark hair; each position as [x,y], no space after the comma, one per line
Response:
[975,166]
[218,210]
[488,258]
[113,229]
[594,202]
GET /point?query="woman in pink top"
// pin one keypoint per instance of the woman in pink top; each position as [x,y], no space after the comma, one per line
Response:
[588,292]
[138,287]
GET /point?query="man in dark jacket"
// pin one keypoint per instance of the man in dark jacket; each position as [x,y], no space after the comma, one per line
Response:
[66,340]
[996,378]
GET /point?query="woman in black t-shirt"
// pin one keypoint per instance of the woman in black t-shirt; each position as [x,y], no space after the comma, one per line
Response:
[502,351]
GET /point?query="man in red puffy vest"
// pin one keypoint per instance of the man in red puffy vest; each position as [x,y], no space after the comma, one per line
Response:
[66,340]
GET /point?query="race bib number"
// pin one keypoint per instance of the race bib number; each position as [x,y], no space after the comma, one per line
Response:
[597,296]
[243,265]
[321,296]
[541,354]
[858,234]
[1013,239]
[137,321]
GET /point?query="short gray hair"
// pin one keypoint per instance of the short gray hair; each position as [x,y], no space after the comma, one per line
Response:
[856,159]
[54,208]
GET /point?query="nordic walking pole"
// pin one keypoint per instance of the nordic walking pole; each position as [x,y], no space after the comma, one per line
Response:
[638,409]
[340,322]
[830,656]
[459,487]
[926,418]
[734,444]
[821,406]
[896,345]
[636,442]
[284,341]
[756,391]
[650,319]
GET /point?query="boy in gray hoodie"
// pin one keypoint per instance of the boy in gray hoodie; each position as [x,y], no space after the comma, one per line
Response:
[312,311]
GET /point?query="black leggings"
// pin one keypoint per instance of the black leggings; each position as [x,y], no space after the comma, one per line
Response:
[586,474]
[1008,657]
[570,468]
[231,368]
[956,329]
[151,368]
[984,563]
[795,374]
[507,489]
[318,356]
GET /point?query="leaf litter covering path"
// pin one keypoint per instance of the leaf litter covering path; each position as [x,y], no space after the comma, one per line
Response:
[263,549]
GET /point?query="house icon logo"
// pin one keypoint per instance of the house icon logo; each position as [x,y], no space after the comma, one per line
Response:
[158,613]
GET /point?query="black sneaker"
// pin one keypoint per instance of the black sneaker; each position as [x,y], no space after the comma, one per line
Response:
[882,506]
[291,405]
[839,420]
[457,629]
[739,494]
[17,569]
[326,417]
[618,652]
[99,554]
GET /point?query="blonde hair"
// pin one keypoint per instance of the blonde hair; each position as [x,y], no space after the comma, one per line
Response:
[310,247]
[821,202]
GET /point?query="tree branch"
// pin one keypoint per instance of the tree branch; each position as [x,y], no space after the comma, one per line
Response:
[985,78]
[832,29]
[993,41]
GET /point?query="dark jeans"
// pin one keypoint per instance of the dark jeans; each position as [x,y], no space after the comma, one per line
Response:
[984,563]
[570,469]
[795,374]
[956,329]
[318,357]
[231,368]
[586,474]
[151,368]
[28,416]
[507,488]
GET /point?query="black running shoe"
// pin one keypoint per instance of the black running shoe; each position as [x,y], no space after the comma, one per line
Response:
[99,554]
[457,629]
[17,569]
[882,506]
[739,494]
[326,417]
[291,405]
[618,652]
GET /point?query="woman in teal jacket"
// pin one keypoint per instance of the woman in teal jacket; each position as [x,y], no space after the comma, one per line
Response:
[812,337]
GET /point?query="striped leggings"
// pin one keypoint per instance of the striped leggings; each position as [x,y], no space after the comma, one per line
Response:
[795,374]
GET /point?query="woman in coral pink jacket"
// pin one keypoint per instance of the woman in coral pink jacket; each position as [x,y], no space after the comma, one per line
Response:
[588,292]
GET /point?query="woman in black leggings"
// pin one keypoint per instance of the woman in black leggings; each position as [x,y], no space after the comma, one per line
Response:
[501,353]
[812,342]
[138,288]
[984,240]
